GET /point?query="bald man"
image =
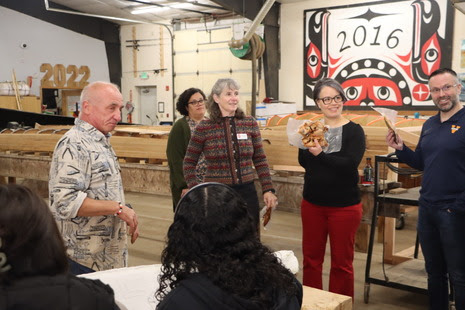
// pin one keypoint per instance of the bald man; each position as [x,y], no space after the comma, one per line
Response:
[85,187]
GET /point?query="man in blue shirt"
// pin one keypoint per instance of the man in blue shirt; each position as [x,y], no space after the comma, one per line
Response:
[440,154]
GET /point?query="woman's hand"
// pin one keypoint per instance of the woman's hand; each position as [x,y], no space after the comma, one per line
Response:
[270,199]
[315,150]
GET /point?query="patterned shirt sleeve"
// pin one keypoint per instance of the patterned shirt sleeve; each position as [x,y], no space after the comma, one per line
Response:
[69,178]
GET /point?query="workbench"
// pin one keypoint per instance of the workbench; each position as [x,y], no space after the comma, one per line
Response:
[407,271]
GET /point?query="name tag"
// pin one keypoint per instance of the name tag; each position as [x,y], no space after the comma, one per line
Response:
[241,136]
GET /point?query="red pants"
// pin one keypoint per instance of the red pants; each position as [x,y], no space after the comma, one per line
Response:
[341,224]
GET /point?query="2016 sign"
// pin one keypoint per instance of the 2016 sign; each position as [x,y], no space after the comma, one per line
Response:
[381,52]
[57,76]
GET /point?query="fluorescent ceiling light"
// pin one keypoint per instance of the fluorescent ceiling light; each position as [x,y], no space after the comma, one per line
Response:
[181,5]
[149,9]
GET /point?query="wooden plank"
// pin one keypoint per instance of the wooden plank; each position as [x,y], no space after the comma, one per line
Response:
[149,142]
[29,103]
[410,135]
[134,51]
[30,142]
[399,190]
[410,273]
[143,131]
[162,51]
[15,87]
[136,147]
[315,299]
[289,168]
[152,179]
[363,232]
[25,167]
[389,239]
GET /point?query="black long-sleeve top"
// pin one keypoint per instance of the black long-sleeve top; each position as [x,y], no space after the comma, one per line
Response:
[332,179]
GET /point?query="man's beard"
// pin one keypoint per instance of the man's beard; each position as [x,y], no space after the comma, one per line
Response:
[447,108]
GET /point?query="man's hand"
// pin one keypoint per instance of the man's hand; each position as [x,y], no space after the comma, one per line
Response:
[394,140]
[130,217]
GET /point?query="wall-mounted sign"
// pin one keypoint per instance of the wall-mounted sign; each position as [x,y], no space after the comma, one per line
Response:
[161,107]
[59,76]
[381,52]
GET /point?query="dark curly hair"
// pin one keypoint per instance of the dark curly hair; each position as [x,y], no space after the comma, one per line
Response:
[214,234]
[30,241]
[183,99]
[212,106]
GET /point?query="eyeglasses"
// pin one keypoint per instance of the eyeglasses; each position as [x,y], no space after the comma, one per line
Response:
[196,102]
[444,89]
[328,100]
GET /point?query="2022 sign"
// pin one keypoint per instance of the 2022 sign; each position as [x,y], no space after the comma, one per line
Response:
[57,76]
[381,52]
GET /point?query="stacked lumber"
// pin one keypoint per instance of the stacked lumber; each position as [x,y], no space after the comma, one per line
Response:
[280,153]
[147,144]
[131,143]
[363,119]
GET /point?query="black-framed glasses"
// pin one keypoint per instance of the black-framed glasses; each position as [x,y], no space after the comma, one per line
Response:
[328,100]
[196,102]
[444,89]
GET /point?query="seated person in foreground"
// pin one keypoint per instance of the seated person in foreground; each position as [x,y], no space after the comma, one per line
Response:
[33,262]
[214,259]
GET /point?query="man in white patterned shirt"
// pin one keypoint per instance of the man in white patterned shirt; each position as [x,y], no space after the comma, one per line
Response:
[85,187]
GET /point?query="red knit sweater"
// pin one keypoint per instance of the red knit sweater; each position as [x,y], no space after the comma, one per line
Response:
[231,147]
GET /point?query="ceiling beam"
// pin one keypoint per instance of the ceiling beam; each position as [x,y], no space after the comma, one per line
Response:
[250,9]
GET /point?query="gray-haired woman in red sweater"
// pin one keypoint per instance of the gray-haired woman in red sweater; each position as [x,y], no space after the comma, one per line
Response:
[232,145]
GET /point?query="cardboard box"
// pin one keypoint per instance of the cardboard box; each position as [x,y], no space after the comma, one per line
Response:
[270,109]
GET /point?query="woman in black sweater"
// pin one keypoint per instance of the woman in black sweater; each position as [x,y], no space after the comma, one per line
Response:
[33,262]
[331,200]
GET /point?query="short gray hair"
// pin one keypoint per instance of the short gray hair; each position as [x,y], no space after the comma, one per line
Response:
[328,82]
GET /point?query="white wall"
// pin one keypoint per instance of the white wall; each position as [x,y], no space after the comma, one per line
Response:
[291,32]
[459,35]
[198,48]
[46,43]
[153,54]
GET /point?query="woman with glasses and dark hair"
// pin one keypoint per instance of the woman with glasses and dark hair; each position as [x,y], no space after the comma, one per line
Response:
[214,259]
[331,204]
[33,262]
[191,104]
[232,145]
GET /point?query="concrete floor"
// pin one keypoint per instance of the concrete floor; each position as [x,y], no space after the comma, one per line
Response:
[284,233]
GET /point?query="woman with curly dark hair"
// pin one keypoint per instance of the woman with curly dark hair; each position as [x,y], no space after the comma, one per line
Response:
[191,104]
[214,259]
[33,262]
